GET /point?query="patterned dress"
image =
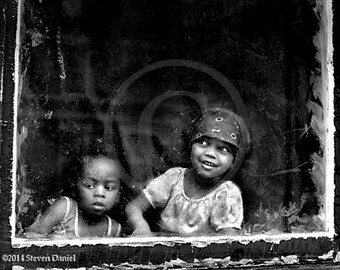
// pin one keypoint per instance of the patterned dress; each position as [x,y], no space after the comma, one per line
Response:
[220,209]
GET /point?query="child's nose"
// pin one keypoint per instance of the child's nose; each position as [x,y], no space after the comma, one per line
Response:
[210,151]
[100,191]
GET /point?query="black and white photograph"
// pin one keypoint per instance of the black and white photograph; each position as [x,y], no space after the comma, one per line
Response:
[143,123]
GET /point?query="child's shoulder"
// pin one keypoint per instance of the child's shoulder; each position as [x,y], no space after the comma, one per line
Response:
[175,171]
[230,184]
[63,205]
[168,178]
[65,201]
[114,228]
[62,202]
[173,174]
[228,188]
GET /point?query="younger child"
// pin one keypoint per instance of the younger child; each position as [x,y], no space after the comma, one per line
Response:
[199,200]
[96,192]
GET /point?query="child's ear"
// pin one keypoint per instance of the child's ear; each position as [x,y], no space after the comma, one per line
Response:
[233,163]
[117,200]
[74,191]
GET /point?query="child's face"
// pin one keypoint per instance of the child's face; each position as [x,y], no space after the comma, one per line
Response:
[211,158]
[99,187]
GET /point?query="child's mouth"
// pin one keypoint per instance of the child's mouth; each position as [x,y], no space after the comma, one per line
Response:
[208,164]
[98,205]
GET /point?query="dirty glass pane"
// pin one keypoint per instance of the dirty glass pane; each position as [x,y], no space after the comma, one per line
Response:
[127,79]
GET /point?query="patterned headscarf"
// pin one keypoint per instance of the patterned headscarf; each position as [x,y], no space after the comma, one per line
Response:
[219,123]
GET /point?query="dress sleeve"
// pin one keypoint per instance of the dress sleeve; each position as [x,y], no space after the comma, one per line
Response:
[227,208]
[158,190]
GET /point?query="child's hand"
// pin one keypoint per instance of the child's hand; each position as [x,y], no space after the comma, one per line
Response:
[34,235]
[134,211]
[142,231]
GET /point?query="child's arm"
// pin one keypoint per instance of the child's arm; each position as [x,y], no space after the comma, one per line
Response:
[156,194]
[134,211]
[44,225]
[229,232]
[227,211]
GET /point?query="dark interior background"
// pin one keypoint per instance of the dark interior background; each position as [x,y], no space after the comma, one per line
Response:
[77,54]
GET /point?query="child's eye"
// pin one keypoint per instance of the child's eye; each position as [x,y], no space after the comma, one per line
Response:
[224,149]
[203,142]
[110,188]
[227,150]
[88,184]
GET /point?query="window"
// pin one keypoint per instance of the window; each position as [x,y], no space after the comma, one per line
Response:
[127,80]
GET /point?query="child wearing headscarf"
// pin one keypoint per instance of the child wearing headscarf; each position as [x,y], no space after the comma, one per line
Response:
[201,199]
